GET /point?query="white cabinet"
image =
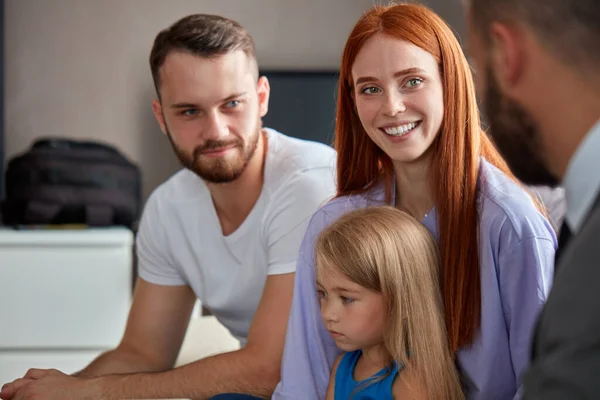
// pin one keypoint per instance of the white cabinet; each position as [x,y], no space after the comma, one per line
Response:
[64,296]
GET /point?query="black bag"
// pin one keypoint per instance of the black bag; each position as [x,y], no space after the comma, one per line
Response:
[62,181]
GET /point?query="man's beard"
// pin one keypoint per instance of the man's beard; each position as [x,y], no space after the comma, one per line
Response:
[516,136]
[217,170]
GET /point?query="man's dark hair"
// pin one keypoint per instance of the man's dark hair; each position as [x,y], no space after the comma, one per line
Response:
[202,35]
[568,29]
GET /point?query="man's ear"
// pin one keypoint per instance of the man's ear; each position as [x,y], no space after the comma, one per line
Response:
[263,90]
[158,114]
[507,54]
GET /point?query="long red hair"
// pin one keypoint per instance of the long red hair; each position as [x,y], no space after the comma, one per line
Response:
[454,158]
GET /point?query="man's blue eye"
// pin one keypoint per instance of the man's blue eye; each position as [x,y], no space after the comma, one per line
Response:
[190,112]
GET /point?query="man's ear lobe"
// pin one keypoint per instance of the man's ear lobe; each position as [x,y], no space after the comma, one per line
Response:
[158,114]
[264,90]
[507,55]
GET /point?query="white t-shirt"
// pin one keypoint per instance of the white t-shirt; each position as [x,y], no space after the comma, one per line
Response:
[180,241]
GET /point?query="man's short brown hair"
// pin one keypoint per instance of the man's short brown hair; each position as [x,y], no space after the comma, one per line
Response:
[568,29]
[203,35]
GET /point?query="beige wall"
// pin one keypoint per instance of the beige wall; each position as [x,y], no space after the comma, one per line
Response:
[78,68]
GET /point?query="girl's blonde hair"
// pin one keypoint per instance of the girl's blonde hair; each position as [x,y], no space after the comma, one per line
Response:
[386,250]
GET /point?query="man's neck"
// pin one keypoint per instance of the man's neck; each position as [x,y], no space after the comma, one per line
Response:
[413,188]
[233,201]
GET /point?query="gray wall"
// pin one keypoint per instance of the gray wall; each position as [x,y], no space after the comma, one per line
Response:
[78,68]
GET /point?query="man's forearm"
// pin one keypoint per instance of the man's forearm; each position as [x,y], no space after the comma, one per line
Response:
[117,361]
[242,371]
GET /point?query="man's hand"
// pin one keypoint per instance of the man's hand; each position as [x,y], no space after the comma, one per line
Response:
[9,389]
[48,384]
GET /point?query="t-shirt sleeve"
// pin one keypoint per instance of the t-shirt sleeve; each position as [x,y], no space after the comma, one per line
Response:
[290,211]
[155,264]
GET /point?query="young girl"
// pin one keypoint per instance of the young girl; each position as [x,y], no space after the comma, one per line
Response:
[408,135]
[377,282]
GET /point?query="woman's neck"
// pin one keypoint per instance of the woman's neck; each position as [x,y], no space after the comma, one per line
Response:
[413,188]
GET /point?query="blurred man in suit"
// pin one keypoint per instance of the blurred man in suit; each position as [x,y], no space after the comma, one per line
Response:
[538,71]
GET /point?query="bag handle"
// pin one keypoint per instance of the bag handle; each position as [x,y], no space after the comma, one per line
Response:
[99,215]
[38,212]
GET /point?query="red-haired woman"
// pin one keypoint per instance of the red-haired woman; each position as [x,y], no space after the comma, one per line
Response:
[408,133]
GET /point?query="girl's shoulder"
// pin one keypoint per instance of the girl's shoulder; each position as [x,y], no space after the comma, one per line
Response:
[407,387]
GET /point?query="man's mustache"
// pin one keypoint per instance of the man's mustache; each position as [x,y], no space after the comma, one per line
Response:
[214,144]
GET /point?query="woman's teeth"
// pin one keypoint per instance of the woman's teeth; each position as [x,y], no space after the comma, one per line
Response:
[400,130]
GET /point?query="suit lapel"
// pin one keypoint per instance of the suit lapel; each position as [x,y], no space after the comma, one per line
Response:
[564,239]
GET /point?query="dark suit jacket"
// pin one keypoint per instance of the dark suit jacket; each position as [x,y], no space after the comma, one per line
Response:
[566,346]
